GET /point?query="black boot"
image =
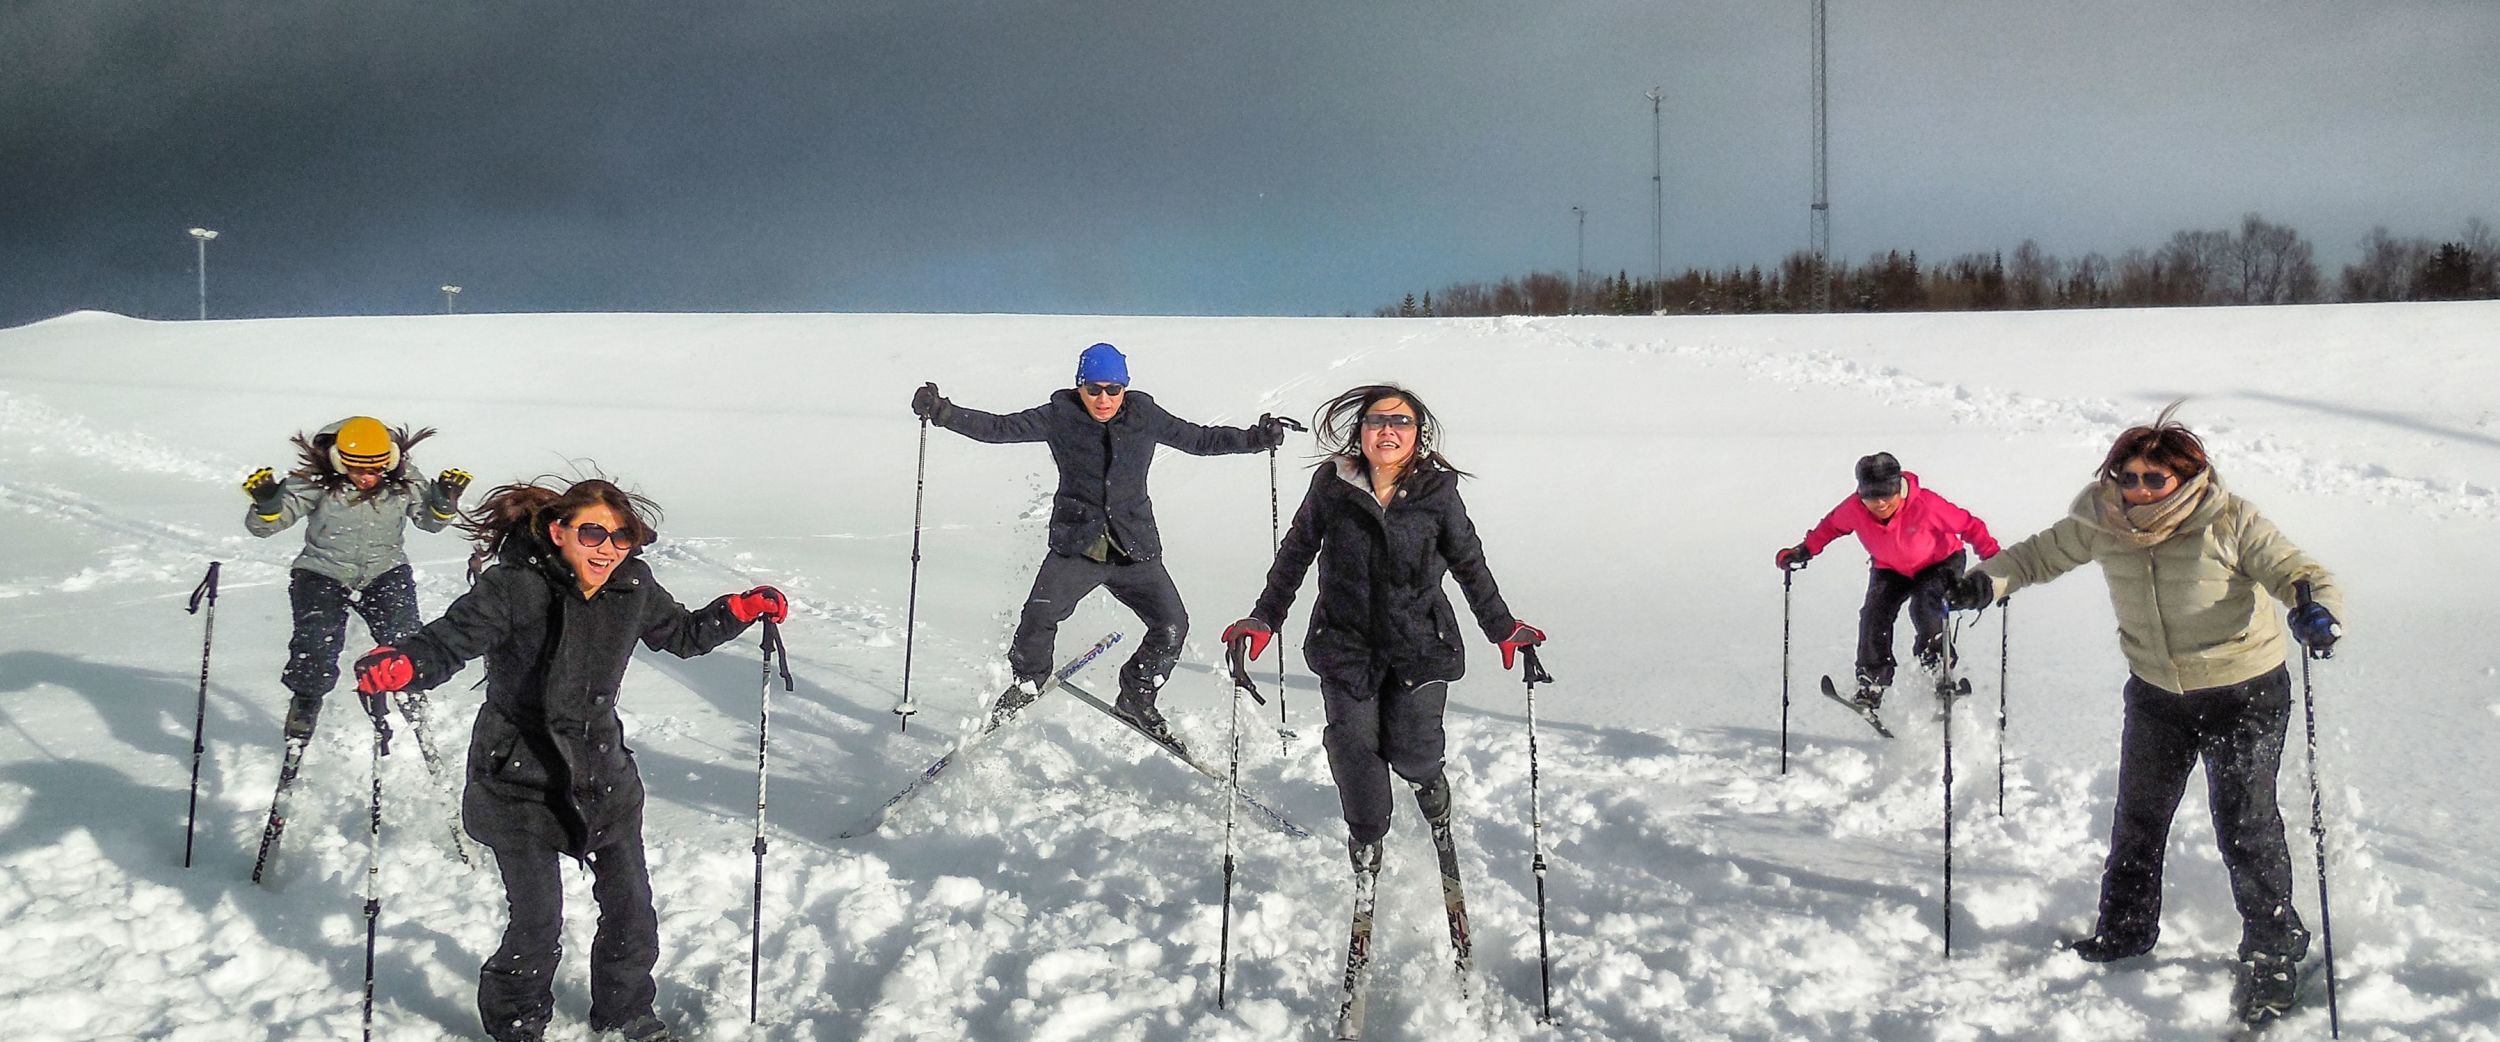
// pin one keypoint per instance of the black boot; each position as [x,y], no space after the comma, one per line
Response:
[1869,697]
[2106,948]
[1138,707]
[1433,799]
[2266,989]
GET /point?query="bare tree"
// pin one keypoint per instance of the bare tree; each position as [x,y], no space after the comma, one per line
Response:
[2387,267]
[2033,275]
[2269,264]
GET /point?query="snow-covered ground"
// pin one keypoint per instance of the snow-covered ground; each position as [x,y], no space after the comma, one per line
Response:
[1634,477]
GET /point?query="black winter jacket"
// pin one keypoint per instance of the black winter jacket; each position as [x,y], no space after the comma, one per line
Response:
[1380,604]
[1102,466]
[548,763]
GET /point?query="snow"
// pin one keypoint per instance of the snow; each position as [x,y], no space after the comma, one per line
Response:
[1634,477]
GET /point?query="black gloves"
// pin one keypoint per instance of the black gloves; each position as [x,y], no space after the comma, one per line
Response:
[2315,627]
[1272,429]
[262,486]
[451,483]
[1969,591]
[927,404]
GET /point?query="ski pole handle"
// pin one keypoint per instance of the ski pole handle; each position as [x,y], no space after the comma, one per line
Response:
[206,590]
[1532,670]
[2302,597]
[1237,656]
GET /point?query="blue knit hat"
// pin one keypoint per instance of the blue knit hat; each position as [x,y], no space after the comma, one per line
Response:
[1102,364]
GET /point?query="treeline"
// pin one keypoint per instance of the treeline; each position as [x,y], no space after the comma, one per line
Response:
[2259,263]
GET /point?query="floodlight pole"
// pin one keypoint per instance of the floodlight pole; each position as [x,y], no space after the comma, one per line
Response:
[203,235]
[449,292]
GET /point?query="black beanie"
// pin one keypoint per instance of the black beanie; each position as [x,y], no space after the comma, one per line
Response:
[1878,475]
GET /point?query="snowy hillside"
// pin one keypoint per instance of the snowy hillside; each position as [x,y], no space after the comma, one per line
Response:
[1634,477]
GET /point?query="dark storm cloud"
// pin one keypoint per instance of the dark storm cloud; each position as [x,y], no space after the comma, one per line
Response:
[1254,157]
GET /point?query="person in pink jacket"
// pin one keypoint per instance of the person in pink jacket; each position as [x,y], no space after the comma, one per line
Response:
[1916,538]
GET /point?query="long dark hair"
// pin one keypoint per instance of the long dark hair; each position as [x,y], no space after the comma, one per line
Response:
[2165,442]
[1339,427]
[312,462]
[523,510]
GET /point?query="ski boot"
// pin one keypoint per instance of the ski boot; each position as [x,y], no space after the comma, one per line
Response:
[1433,799]
[1869,696]
[2266,988]
[1138,708]
[2101,947]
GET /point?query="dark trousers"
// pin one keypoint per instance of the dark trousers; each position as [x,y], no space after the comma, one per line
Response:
[1395,726]
[1885,591]
[2238,732]
[389,607]
[516,987]
[1143,586]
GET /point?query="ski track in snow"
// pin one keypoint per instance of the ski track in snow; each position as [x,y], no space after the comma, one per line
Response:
[1063,884]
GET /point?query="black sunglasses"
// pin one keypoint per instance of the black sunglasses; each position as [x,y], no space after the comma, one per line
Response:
[592,533]
[1102,390]
[1388,419]
[2131,479]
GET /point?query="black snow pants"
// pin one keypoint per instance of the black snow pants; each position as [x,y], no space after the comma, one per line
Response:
[1144,586]
[516,987]
[2238,732]
[1885,591]
[389,607]
[1392,726]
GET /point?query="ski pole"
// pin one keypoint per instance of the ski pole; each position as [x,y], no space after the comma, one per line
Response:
[1788,581]
[1236,655]
[206,590]
[376,707]
[1950,640]
[911,601]
[2005,645]
[763,742]
[1275,539]
[1533,672]
[2317,817]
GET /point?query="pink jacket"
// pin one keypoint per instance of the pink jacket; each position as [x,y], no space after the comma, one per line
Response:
[1928,528]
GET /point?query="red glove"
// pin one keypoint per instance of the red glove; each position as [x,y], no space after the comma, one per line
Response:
[1791,558]
[384,669]
[1252,630]
[762,602]
[1522,635]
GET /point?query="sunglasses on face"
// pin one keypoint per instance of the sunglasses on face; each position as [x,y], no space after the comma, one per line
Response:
[592,533]
[1378,420]
[2151,482]
[1104,390]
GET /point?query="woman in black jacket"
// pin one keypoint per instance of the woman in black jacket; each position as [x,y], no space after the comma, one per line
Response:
[1385,522]
[556,617]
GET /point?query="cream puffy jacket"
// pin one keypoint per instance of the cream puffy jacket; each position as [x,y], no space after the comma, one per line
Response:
[2190,614]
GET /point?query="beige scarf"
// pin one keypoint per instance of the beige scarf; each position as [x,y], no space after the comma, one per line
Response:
[2155,521]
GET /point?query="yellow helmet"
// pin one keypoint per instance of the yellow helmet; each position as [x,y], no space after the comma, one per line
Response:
[362,442]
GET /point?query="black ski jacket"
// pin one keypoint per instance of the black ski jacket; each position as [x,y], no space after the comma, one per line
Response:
[1102,466]
[548,763]
[1380,604]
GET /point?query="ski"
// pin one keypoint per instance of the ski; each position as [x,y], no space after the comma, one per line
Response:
[413,707]
[1454,900]
[1265,813]
[1002,709]
[1358,947]
[1862,712]
[276,827]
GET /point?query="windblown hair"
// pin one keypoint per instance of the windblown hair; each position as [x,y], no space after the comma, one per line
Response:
[312,462]
[1339,427]
[2165,442]
[524,510]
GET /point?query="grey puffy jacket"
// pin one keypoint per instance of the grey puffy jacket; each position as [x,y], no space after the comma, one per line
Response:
[351,541]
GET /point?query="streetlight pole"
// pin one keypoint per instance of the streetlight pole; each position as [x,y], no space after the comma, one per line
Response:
[1580,262]
[203,235]
[449,292]
[1658,189]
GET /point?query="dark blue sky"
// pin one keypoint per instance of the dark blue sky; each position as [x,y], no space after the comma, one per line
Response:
[1293,157]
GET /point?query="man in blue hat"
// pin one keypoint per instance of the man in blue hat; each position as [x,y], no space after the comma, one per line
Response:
[1102,527]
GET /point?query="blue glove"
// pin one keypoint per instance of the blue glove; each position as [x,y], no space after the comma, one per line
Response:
[2315,627]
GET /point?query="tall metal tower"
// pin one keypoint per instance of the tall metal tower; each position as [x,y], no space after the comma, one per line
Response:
[1820,225]
[1658,190]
